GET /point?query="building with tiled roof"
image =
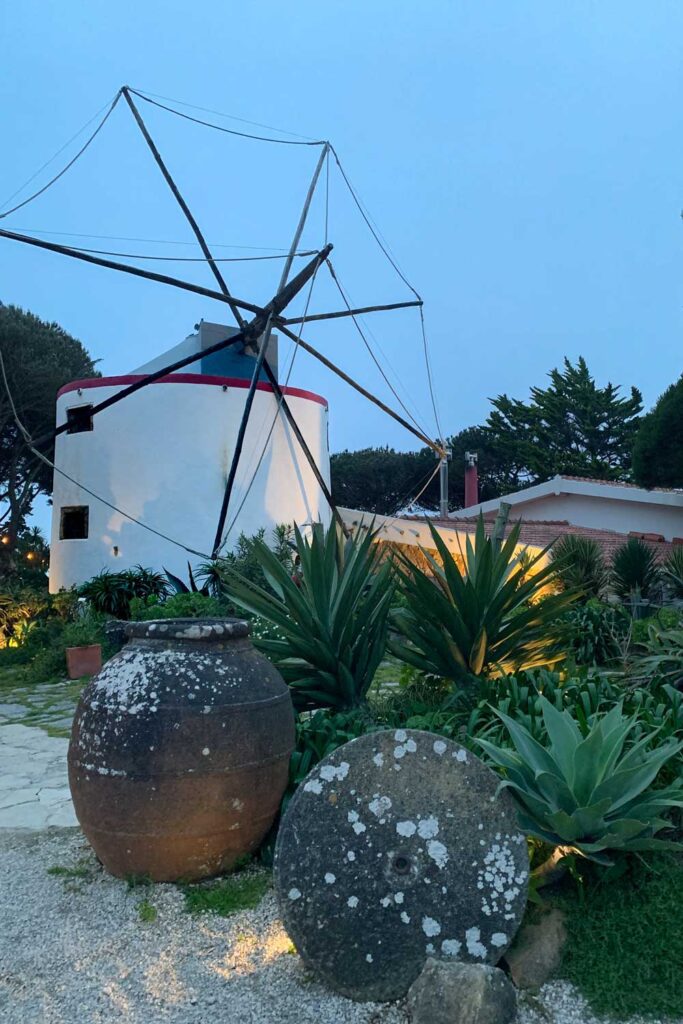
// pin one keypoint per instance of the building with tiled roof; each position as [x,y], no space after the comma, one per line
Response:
[570,504]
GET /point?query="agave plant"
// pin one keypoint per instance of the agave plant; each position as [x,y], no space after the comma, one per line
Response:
[332,614]
[489,618]
[589,792]
[179,586]
[580,565]
[672,571]
[635,571]
[109,593]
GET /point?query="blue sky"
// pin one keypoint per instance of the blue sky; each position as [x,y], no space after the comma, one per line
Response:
[523,160]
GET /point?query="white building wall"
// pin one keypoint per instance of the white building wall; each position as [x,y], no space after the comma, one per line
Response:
[604,513]
[162,456]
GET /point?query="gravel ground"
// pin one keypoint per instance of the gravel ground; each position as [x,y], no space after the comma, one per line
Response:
[74,951]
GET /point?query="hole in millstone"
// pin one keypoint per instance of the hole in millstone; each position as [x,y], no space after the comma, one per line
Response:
[401,864]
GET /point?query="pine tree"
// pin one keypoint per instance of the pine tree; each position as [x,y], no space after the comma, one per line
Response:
[572,427]
[658,448]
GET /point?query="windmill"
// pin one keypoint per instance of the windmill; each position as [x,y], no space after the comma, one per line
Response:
[255,322]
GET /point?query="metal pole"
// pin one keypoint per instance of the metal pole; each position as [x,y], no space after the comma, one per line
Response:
[444,459]
[183,206]
[262,351]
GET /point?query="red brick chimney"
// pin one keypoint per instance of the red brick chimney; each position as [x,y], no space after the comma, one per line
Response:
[471,480]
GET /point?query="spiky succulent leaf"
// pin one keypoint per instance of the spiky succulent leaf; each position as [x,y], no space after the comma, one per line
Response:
[591,792]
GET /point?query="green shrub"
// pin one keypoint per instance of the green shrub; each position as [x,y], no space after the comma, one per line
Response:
[589,792]
[580,565]
[489,618]
[110,593]
[332,616]
[663,618]
[595,634]
[186,605]
[660,657]
[635,571]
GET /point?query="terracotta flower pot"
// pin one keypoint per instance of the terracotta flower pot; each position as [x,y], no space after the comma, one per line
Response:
[83,661]
[180,749]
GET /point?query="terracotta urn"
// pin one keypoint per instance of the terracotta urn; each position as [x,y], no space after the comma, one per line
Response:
[180,750]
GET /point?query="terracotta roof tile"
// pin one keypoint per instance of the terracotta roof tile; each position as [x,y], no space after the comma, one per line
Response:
[620,483]
[541,533]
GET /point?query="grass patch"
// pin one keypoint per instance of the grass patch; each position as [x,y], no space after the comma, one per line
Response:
[147,912]
[79,871]
[625,944]
[227,895]
[138,881]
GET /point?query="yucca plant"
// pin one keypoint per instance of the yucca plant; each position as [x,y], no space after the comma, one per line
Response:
[331,614]
[580,565]
[635,571]
[672,571]
[589,793]
[488,618]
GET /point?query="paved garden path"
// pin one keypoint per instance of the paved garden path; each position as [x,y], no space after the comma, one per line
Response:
[34,726]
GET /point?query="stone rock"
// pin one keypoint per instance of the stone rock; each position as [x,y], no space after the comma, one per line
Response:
[537,950]
[459,993]
[397,847]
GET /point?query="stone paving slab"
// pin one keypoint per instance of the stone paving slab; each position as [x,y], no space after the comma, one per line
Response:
[34,787]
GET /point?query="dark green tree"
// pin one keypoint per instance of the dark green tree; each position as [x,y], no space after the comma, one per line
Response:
[658,448]
[384,481]
[573,427]
[38,358]
[379,480]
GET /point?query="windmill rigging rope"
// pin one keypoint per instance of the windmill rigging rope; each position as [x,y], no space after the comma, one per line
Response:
[275,418]
[369,348]
[228,131]
[385,249]
[190,259]
[220,113]
[70,164]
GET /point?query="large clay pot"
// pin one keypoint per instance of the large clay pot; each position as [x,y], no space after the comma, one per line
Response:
[180,750]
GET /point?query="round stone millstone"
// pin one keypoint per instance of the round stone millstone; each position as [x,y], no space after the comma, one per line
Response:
[397,847]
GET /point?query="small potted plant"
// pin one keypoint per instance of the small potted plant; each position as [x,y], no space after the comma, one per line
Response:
[83,647]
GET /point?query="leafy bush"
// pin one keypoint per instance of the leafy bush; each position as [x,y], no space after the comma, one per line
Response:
[187,605]
[488,619]
[672,571]
[635,571]
[47,643]
[580,565]
[588,793]
[595,633]
[663,618]
[661,657]
[332,615]
[19,605]
[110,593]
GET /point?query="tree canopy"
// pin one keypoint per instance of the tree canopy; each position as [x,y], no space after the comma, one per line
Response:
[39,358]
[572,426]
[658,448]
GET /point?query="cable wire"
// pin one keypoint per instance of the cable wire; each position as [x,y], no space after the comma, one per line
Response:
[369,348]
[190,259]
[151,241]
[70,163]
[275,418]
[219,113]
[229,131]
[385,249]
